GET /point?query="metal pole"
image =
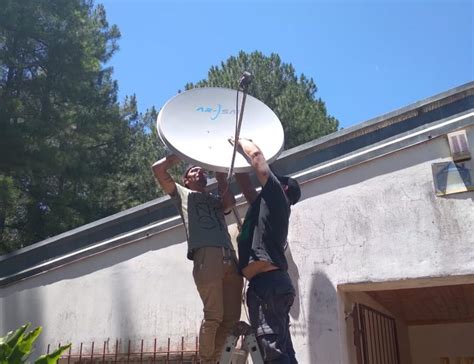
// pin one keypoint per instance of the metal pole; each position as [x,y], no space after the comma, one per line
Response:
[237,132]
[237,218]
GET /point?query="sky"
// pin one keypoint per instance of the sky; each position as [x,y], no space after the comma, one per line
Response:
[367,58]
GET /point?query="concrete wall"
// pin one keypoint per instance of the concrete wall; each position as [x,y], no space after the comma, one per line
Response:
[379,221]
[143,290]
[430,343]
[375,222]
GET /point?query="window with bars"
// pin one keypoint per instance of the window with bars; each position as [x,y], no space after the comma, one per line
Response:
[375,336]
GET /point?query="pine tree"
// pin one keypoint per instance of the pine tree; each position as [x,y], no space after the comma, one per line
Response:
[303,116]
[62,136]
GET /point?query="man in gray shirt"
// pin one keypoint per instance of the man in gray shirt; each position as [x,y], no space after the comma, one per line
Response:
[215,268]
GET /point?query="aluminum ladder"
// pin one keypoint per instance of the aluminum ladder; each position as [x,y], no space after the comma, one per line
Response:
[249,345]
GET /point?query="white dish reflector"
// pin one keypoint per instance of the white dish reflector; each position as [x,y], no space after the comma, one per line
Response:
[196,126]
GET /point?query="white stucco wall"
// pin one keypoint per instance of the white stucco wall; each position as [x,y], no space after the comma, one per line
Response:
[378,221]
[141,291]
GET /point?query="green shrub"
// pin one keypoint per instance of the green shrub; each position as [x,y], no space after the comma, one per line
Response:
[16,347]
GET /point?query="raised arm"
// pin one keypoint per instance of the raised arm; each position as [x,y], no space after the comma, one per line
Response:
[160,170]
[243,180]
[228,199]
[257,160]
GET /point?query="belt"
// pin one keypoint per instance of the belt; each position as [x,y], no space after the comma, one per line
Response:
[262,274]
[228,256]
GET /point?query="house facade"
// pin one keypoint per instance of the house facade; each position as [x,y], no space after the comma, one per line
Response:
[381,252]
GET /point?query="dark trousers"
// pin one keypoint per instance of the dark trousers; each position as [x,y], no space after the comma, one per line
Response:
[269,299]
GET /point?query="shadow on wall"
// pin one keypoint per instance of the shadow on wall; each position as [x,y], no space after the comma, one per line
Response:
[97,262]
[373,168]
[321,315]
[457,196]
[25,307]
[25,301]
[124,316]
[323,331]
[295,279]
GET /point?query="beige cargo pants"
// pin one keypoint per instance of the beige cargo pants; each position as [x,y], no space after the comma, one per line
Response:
[219,284]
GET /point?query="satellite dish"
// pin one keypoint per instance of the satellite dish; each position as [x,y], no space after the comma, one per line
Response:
[196,126]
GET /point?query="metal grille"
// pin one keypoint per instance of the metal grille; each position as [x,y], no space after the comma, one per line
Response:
[375,336]
[128,352]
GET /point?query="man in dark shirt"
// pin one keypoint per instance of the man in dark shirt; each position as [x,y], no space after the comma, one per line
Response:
[262,261]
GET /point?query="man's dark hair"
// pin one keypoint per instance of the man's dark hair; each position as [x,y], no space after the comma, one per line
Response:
[185,174]
[294,191]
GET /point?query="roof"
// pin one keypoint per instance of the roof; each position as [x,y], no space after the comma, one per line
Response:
[397,130]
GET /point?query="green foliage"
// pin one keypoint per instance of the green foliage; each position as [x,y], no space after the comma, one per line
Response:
[9,198]
[69,153]
[62,136]
[53,357]
[16,347]
[134,183]
[292,98]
